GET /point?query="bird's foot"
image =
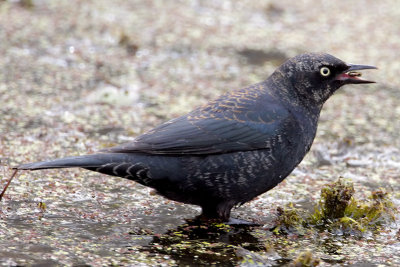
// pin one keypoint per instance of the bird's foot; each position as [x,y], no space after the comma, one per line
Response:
[231,221]
[240,222]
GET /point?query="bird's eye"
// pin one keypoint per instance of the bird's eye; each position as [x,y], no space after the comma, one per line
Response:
[325,71]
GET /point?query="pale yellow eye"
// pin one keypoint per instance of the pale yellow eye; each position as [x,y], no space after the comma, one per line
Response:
[325,71]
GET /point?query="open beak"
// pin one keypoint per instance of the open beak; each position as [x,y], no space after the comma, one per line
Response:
[352,74]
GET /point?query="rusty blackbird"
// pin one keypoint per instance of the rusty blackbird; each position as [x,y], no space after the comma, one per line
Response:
[234,148]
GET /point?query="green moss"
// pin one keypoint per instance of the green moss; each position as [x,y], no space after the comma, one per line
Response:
[338,209]
[305,259]
[289,220]
[374,212]
[335,198]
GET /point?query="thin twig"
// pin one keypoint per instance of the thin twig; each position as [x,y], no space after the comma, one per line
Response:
[8,183]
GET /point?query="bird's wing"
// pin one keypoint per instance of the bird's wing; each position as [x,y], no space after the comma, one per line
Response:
[213,129]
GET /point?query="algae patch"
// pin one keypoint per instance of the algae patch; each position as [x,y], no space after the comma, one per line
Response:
[305,258]
[199,243]
[289,220]
[339,212]
[335,199]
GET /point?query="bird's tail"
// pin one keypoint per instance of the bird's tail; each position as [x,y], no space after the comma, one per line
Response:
[86,161]
[127,165]
[92,162]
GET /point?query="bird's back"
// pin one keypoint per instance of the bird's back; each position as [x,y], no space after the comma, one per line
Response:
[242,120]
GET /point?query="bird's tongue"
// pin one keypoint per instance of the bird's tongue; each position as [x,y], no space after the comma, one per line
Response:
[352,77]
[346,76]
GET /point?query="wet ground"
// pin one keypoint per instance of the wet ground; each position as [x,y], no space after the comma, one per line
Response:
[78,76]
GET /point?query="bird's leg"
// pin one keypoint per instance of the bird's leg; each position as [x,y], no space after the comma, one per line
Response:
[221,213]
[218,212]
[210,213]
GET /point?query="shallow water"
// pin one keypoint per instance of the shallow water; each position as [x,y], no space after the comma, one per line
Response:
[68,232]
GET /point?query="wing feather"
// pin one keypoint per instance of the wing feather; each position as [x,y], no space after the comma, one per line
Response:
[216,128]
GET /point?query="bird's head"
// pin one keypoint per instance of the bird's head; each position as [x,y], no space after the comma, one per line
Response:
[316,76]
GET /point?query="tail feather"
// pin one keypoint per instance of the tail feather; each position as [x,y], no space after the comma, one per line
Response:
[125,165]
[86,161]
